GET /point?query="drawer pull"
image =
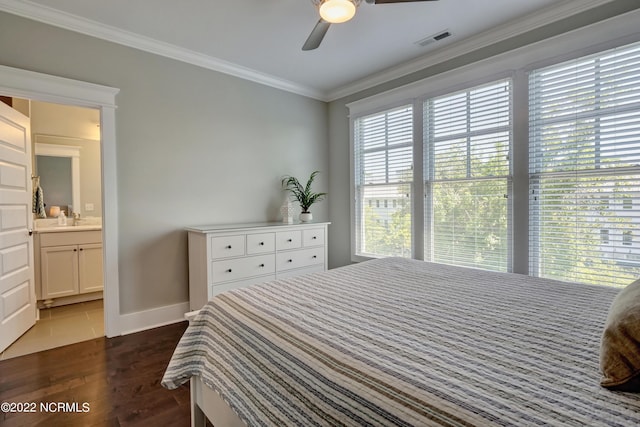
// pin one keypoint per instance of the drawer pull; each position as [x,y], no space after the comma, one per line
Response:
[75,250]
[229,271]
[261,243]
[289,240]
[314,257]
[314,237]
[261,265]
[228,247]
[289,260]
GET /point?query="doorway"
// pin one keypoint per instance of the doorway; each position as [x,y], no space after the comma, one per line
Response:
[68,268]
[41,87]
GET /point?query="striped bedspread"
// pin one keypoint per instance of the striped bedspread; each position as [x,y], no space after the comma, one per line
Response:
[396,342]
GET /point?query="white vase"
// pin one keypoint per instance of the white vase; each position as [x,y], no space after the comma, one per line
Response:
[287,213]
[306,216]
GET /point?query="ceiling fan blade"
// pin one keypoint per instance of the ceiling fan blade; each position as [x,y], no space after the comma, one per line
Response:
[394,1]
[316,36]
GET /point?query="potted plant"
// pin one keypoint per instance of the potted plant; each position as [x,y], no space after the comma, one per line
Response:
[303,194]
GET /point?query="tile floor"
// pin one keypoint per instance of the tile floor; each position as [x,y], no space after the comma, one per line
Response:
[60,326]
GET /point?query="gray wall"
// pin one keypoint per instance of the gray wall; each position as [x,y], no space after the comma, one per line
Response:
[193,147]
[339,183]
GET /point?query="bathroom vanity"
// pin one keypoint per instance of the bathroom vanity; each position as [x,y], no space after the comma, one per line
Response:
[68,264]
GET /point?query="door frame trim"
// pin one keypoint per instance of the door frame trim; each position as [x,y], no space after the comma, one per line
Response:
[25,84]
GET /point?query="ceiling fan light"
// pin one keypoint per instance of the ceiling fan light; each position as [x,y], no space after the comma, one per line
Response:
[337,11]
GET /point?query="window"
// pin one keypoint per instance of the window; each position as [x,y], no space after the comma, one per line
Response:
[584,148]
[562,203]
[383,169]
[467,143]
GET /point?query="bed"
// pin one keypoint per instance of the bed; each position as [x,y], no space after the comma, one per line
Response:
[397,342]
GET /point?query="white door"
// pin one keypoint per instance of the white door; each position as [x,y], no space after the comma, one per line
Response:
[17,288]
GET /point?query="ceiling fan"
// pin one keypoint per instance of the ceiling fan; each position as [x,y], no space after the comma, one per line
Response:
[337,12]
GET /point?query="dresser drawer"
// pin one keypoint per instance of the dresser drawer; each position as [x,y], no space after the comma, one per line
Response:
[261,243]
[313,237]
[288,240]
[235,269]
[227,246]
[298,259]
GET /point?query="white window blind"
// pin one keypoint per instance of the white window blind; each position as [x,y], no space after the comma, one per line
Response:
[383,172]
[584,169]
[467,144]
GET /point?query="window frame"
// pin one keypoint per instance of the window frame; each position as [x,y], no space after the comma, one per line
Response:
[584,114]
[598,37]
[355,256]
[419,195]
[429,178]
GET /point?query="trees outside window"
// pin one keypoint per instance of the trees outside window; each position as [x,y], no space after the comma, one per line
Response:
[583,173]
[467,146]
[584,168]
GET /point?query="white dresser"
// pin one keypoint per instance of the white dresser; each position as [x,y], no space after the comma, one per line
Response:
[230,256]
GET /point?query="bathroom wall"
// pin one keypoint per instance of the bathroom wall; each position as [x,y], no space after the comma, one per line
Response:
[73,126]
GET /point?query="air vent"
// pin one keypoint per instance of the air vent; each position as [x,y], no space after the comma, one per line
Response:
[434,38]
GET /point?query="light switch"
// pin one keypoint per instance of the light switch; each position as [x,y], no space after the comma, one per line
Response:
[88,207]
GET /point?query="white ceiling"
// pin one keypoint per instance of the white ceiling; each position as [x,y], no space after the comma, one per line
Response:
[261,39]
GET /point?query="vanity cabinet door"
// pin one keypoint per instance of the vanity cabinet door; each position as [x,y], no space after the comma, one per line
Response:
[59,271]
[90,268]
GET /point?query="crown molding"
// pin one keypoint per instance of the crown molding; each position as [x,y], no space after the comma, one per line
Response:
[91,28]
[502,32]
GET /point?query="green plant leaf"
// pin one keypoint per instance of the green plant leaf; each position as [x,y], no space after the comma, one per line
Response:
[304,195]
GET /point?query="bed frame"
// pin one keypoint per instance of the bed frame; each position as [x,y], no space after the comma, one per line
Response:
[207,403]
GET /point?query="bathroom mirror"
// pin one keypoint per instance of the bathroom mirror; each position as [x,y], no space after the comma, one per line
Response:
[58,167]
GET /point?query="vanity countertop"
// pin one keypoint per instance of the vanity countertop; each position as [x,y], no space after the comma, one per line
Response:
[68,228]
[50,225]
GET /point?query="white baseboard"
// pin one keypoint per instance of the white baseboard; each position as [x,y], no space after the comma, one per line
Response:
[153,318]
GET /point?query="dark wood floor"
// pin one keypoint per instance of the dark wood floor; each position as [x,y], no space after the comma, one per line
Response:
[119,378]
